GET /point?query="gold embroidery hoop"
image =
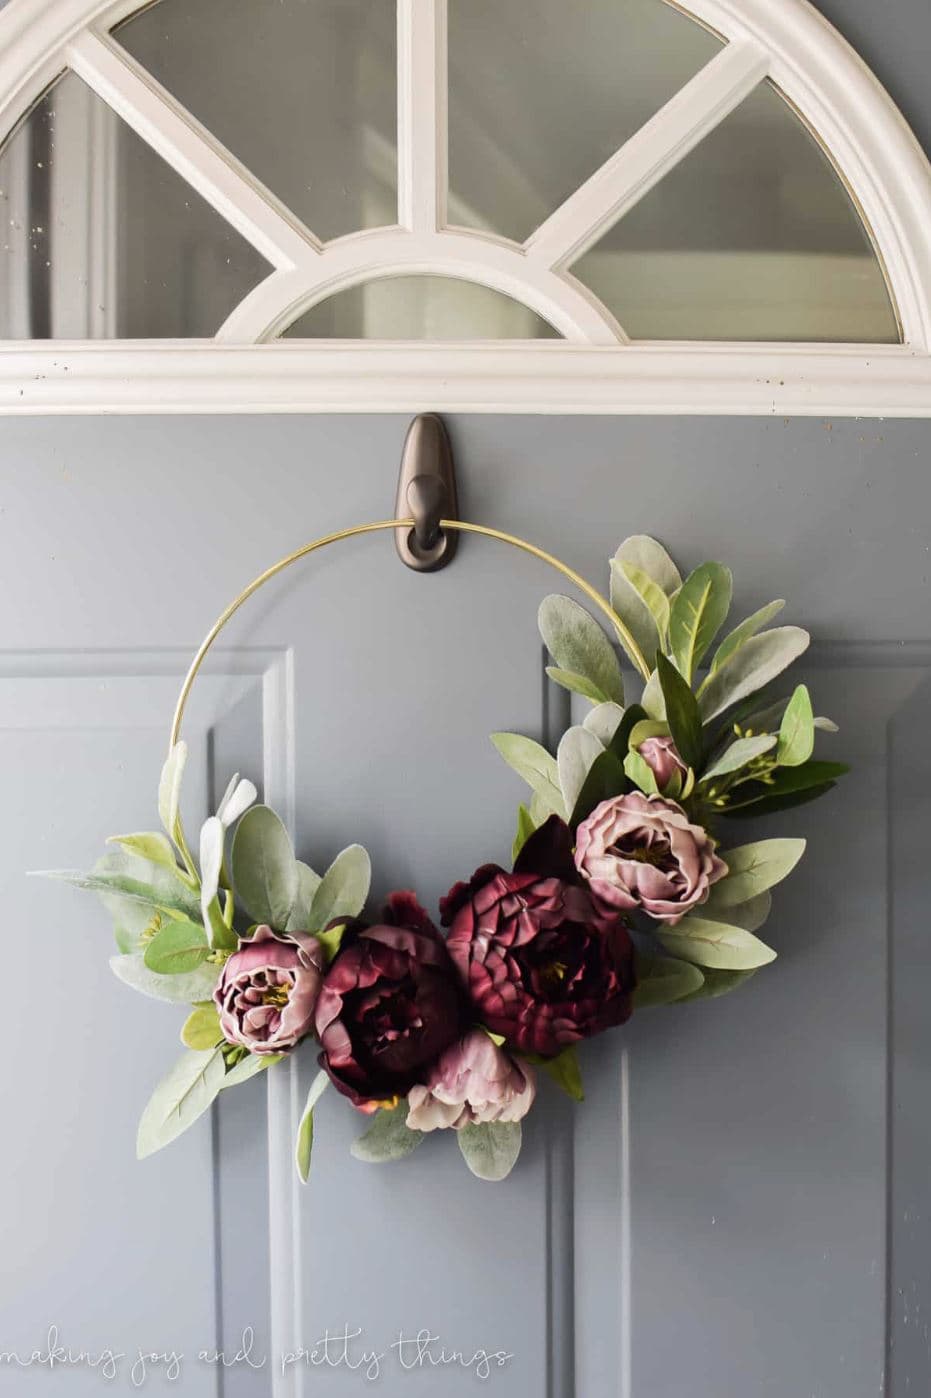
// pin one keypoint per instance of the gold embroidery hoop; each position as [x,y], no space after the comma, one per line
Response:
[463,527]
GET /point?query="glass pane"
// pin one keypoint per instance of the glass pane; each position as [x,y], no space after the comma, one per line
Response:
[102,238]
[421,308]
[752,237]
[536,111]
[303,92]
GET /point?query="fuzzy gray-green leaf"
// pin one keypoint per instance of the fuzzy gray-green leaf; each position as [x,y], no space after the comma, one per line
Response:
[388,1138]
[181,1097]
[747,628]
[537,767]
[579,645]
[264,869]
[490,1149]
[739,753]
[757,662]
[343,888]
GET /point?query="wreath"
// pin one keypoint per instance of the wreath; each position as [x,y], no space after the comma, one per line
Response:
[618,895]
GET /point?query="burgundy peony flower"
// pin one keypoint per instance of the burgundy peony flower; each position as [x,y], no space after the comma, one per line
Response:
[474,1080]
[268,990]
[640,851]
[389,1006]
[543,967]
[662,757]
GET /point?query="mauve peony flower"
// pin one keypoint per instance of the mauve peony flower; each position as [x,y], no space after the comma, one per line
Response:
[543,966]
[268,990]
[662,758]
[389,1006]
[474,1080]
[640,851]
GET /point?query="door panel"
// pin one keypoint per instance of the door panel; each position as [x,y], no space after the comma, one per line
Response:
[740,1207]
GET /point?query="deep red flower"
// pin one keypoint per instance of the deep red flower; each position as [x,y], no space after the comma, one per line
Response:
[542,965]
[389,1005]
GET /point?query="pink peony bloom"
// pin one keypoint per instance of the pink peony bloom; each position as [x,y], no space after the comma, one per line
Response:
[639,851]
[473,1081]
[268,991]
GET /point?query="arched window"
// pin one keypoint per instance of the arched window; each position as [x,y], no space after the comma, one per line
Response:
[617,205]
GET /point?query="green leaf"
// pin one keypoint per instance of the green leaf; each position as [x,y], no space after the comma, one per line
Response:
[697,615]
[169,788]
[305,1131]
[653,700]
[606,779]
[388,1137]
[750,915]
[681,713]
[577,752]
[201,1029]
[330,939]
[566,1072]
[134,878]
[741,752]
[236,799]
[754,868]
[736,638]
[786,784]
[579,645]
[604,721]
[536,766]
[716,944]
[633,612]
[343,888]
[307,884]
[264,868]
[212,840]
[757,662]
[640,773]
[652,596]
[249,1067]
[719,983]
[185,989]
[644,553]
[151,845]
[797,730]
[177,947]
[576,684]
[180,1098]
[525,828]
[662,980]
[490,1148]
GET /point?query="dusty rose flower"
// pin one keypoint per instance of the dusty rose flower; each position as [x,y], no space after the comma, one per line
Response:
[544,967]
[662,758]
[268,990]
[474,1080]
[642,852]
[390,1004]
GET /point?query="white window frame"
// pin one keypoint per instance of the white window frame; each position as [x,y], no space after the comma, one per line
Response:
[595,368]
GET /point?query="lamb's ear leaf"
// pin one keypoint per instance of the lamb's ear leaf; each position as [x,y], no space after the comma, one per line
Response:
[647,554]
[305,1132]
[531,761]
[604,721]
[579,646]
[682,713]
[736,638]
[344,888]
[577,684]
[578,750]
[752,667]
[388,1138]
[185,989]
[264,870]
[490,1148]
[169,788]
[181,1097]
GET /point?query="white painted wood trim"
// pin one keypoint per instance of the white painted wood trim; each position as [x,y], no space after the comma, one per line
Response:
[422,134]
[648,155]
[279,300]
[542,377]
[869,141]
[190,149]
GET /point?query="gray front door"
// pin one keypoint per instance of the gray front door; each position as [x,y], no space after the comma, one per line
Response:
[741,1206]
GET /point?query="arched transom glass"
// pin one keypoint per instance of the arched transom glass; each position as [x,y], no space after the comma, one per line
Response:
[600,172]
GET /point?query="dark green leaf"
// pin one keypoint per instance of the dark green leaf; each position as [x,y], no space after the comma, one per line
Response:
[682,713]
[525,828]
[606,779]
[771,805]
[718,983]
[664,980]
[786,781]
